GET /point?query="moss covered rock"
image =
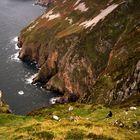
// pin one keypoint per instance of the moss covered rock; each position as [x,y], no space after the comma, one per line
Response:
[4,108]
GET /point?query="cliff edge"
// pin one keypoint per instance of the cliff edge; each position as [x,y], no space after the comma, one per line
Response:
[86,49]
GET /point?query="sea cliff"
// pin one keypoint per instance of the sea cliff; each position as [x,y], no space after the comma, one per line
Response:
[87,50]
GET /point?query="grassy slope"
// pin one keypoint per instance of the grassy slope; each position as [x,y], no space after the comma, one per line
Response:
[83,122]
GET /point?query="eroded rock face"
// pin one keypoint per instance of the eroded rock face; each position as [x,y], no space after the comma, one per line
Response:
[125,87]
[88,49]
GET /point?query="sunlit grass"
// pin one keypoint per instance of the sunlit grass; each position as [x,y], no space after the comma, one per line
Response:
[83,122]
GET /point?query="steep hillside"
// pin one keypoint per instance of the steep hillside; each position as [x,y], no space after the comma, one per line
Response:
[86,49]
[89,50]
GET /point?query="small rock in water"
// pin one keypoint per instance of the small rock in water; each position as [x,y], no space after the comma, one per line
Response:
[132,108]
[70,108]
[55,117]
[21,92]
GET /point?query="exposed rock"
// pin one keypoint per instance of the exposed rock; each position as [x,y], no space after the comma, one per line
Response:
[43,3]
[119,123]
[96,58]
[55,117]
[132,108]
[70,108]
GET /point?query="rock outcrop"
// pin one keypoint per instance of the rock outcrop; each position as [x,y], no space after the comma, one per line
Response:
[4,108]
[86,49]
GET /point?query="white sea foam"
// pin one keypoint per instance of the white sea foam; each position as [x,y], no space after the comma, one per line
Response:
[29,79]
[16,47]
[14,57]
[53,101]
[15,39]
[20,92]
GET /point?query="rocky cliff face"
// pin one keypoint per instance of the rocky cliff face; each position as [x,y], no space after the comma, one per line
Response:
[86,49]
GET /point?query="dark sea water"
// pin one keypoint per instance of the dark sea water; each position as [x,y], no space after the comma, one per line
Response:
[15,76]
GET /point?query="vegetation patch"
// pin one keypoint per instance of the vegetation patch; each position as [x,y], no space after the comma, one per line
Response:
[44,135]
[75,134]
[98,137]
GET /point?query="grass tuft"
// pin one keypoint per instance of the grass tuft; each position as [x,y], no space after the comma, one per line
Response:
[74,134]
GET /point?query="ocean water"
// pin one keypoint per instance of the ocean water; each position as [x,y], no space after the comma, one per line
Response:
[16,76]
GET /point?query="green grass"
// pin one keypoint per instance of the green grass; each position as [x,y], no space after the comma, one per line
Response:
[74,134]
[83,122]
[47,135]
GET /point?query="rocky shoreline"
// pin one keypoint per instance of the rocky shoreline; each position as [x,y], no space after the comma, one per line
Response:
[43,3]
